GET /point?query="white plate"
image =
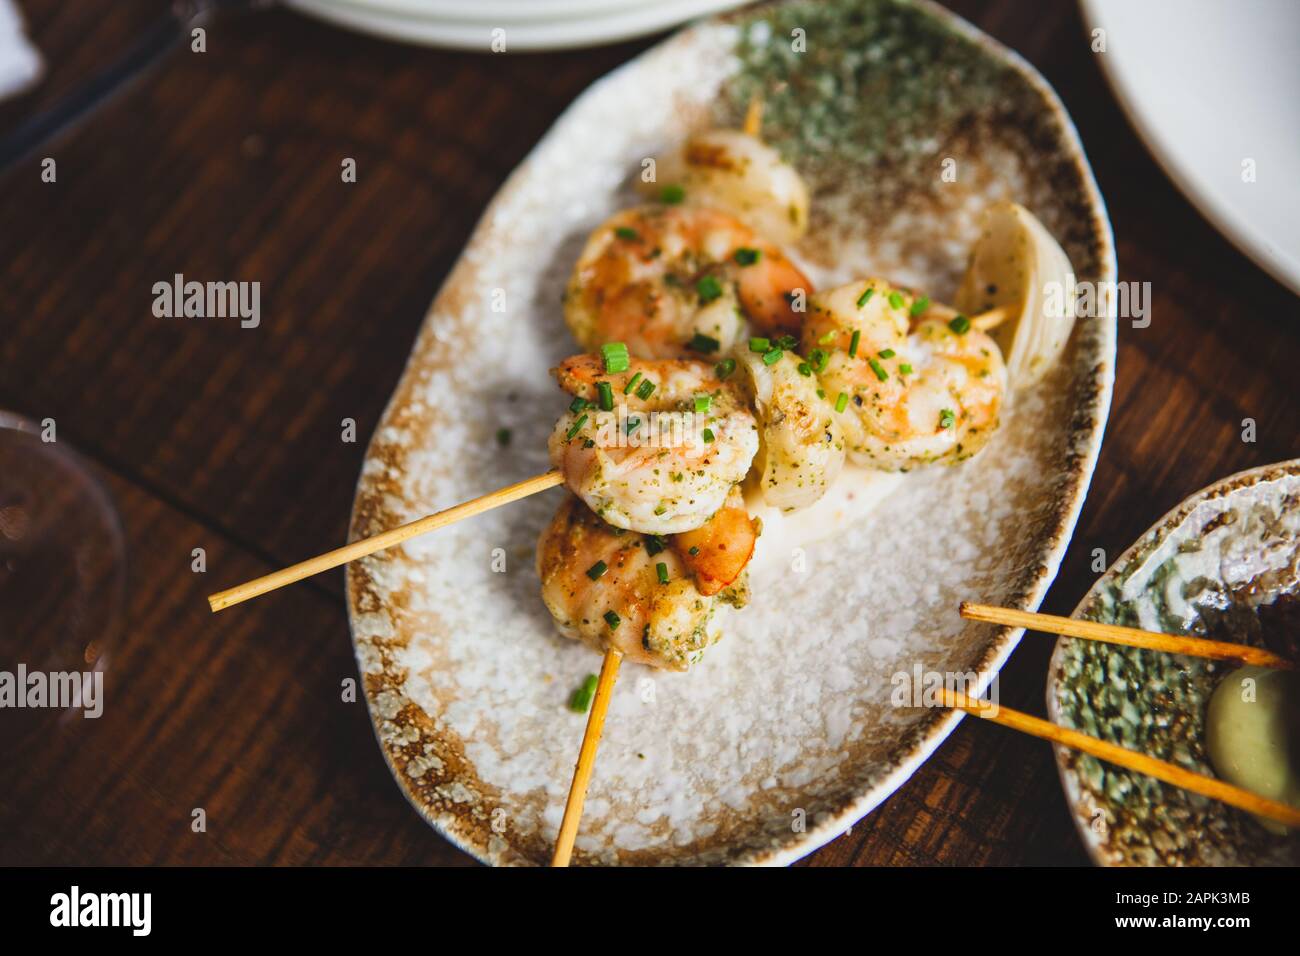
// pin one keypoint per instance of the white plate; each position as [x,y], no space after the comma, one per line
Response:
[624,23]
[498,11]
[1212,85]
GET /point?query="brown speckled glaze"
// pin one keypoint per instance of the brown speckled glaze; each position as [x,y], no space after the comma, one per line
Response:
[784,736]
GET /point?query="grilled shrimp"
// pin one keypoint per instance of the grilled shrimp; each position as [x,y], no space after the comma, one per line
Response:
[672,281]
[905,396]
[655,447]
[641,594]
[801,441]
[738,174]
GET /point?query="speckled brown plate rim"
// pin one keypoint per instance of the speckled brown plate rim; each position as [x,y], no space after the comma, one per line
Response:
[1166,525]
[1088,427]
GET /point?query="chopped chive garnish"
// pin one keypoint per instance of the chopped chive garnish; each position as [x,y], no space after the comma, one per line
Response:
[645,389]
[787,342]
[579,404]
[805,369]
[759,344]
[702,403]
[605,393]
[895,300]
[827,339]
[725,368]
[623,232]
[772,356]
[503,437]
[672,194]
[576,427]
[655,543]
[612,620]
[920,305]
[959,324]
[661,569]
[878,369]
[946,418]
[704,343]
[821,393]
[905,369]
[886,353]
[580,701]
[746,257]
[615,356]
[818,358]
[842,402]
[708,289]
[853,343]
[708,436]
[632,425]
[631,384]
[865,297]
[597,570]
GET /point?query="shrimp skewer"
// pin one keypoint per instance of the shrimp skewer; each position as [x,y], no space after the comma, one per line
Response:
[968,371]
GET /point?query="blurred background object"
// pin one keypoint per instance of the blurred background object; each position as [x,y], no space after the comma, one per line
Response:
[20,64]
[62,566]
[505,25]
[1213,88]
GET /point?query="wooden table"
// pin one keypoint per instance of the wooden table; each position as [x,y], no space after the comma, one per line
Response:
[226,164]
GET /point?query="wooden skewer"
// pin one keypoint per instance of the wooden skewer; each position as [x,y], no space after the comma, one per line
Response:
[1128,636]
[586,759]
[386,539]
[1130,759]
[754,116]
[983,321]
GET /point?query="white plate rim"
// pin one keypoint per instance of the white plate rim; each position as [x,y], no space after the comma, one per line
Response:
[1237,228]
[520,37]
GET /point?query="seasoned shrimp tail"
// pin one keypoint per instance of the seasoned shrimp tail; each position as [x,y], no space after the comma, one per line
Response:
[717,552]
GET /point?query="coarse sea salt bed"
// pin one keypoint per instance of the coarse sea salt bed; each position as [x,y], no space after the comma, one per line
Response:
[789,716]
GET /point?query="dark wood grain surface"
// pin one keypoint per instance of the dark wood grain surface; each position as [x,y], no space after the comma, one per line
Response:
[226,164]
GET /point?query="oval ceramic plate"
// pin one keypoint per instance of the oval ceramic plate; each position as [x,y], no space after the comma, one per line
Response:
[784,735]
[1204,569]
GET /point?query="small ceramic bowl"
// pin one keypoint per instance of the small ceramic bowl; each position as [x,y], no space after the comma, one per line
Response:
[1205,569]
